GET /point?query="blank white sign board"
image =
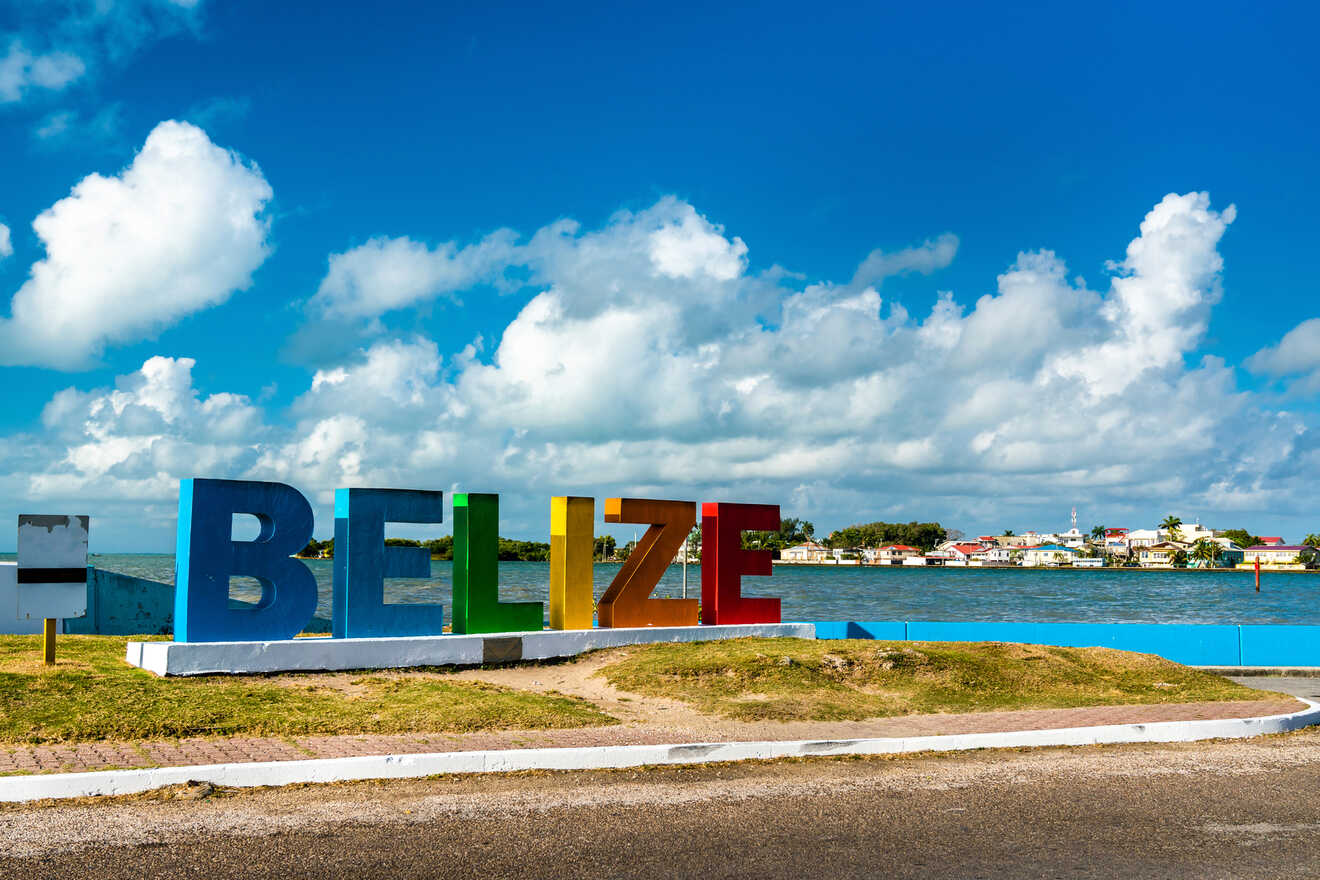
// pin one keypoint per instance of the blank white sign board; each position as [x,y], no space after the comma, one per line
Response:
[52,566]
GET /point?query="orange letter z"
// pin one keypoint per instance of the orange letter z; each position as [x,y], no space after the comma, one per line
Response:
[628,600]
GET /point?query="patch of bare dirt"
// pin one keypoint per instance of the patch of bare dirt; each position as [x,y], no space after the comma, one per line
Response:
[578,678]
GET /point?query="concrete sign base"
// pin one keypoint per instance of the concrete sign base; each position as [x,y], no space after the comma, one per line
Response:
[322,654]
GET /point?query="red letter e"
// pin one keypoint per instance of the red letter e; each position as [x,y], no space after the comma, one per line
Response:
[724,562]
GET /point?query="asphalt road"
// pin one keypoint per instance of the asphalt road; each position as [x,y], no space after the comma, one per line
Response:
[1298,685]
[1225,809]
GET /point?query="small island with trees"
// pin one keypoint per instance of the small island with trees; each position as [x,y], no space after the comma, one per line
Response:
[510,550]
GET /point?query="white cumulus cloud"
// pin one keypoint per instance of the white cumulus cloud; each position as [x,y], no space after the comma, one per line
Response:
[6,246]
[930,256]
[51,46]
[179,230]
[649,360]
[1296,355]
[22,71]
[391,273]
[111,446]
[1158,306]
[688,246]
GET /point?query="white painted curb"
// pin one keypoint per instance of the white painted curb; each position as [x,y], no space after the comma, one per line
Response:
[112,782]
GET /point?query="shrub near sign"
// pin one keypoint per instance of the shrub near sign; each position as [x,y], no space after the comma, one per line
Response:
[207,557]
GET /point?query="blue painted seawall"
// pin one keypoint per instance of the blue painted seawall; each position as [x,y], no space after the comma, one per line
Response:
[123,605]
[1192,644]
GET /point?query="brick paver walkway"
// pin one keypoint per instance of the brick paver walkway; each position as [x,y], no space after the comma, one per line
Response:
[77,757]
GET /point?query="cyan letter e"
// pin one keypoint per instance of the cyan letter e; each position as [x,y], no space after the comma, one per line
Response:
[206,556]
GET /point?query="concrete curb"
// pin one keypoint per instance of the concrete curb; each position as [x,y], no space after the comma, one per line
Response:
[1266,671]
[115,782]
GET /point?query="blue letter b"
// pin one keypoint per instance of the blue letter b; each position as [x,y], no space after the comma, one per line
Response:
[206,557]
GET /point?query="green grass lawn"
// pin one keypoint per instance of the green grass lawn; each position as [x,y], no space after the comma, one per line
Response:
[795,679]
[92,694]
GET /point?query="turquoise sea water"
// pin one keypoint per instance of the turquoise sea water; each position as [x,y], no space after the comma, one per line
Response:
[898,593]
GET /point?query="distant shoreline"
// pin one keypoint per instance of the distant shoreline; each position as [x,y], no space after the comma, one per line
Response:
[1123,568]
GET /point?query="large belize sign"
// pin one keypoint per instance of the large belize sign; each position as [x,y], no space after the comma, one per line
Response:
[207,557]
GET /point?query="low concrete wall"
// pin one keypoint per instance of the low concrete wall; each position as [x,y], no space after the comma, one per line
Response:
[123,605]
[1192,644]
[117,605]
[1280,645]
[1195,645]
[892,630]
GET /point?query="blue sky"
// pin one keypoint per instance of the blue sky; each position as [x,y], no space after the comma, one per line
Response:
[279,184]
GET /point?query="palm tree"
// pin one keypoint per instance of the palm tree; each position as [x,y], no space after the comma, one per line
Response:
[1207,552]
[1008,533]
[1097,533]
[1312,541]
[1170,524]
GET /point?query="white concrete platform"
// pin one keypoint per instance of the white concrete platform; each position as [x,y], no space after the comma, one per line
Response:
[323,654]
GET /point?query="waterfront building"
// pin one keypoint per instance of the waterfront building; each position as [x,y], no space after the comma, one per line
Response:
[1196,532]
[1073,537]
[1280,557]
[847,555]
[895,554]
[808,552]
[1160,554]
[1230,553]
[1114,542]
[1049,555]
[1138,538]
[997,556]
[964,551]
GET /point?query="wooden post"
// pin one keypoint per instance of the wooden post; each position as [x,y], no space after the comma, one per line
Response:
[48,640]
[1257,574]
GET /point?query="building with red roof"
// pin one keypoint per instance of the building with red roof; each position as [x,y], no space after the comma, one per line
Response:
[894,554]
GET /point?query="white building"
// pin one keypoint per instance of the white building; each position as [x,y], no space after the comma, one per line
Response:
[808,553]
[895,554]
[1276,556]
[1195,532]
[1072,538]
[1048,555]
[1138,538]
[1160,555]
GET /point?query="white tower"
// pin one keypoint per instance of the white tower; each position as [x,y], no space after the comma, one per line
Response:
[1074,519]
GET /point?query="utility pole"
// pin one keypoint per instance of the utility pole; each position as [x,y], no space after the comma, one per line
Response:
[687,551]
